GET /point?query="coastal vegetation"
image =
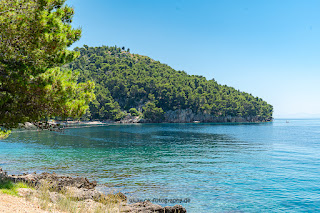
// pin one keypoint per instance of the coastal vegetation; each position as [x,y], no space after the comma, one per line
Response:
[10,188]
[34,36]
[136,84]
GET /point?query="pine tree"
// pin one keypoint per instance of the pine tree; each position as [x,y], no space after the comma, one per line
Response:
[34,36]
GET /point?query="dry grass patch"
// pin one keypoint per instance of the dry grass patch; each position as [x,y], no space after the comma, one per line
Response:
[48,199]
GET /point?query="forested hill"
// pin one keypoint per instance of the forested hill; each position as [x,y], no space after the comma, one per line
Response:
[137,84]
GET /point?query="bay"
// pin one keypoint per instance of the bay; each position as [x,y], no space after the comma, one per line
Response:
[267,167]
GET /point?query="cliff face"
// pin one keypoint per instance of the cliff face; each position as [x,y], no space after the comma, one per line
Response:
[187,116]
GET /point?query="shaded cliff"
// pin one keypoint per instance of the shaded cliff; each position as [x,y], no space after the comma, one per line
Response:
[187,116]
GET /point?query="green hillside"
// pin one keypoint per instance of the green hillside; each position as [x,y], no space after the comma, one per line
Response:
[131,82]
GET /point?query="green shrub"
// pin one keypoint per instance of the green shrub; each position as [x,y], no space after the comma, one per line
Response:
[10,188]
[134,112]
[153,113]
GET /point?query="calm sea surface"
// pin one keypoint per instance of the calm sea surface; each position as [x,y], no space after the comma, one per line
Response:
[273,167]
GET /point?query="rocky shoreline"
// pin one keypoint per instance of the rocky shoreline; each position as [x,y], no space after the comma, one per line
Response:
[188,116]
[176,116]
[81,189]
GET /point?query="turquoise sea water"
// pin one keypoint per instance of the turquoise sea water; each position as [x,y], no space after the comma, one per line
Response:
[270,167]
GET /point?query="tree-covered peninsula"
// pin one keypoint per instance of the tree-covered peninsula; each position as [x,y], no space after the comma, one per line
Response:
[138,85]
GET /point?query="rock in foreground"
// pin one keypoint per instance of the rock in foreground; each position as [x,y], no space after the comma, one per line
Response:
[81,189]
[148,207]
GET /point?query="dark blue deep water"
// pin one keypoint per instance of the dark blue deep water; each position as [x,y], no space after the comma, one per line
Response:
[271,167]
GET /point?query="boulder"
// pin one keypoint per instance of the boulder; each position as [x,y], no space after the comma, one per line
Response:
[56,181]
[148,207]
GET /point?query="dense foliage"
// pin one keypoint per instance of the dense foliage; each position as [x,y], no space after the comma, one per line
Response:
[34,36]
[124,81]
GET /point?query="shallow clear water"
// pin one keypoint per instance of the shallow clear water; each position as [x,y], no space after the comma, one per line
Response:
[271,167]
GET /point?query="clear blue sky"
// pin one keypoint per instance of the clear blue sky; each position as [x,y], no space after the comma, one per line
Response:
[269,48]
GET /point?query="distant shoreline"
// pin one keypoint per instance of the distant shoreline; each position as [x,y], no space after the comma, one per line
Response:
[73,124]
